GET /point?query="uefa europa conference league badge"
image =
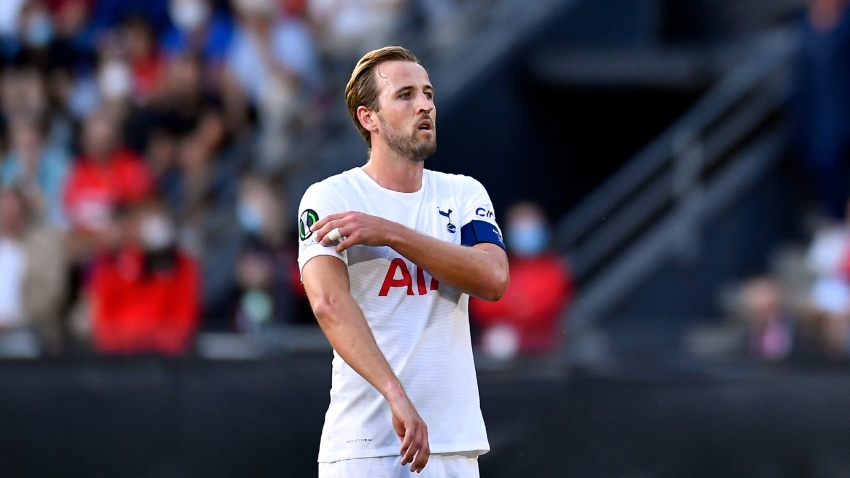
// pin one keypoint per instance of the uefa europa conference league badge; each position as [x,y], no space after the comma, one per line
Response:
[305,222]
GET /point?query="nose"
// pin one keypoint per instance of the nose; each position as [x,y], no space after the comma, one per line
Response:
[425,105]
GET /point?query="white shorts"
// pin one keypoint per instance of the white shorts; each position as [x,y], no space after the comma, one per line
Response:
[462,465]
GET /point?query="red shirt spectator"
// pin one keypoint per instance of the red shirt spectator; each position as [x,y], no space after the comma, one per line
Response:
[540,288]
[95,188]
[136,309]
[105,176]
[525,319]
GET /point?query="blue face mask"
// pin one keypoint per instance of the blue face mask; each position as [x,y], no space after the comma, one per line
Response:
[529,239]
[39,32]
[249,217]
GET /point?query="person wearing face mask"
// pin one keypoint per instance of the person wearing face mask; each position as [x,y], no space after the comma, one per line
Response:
[145,296]
[35,36]
[265,270]
[525,319]
[36,29]
[197,29]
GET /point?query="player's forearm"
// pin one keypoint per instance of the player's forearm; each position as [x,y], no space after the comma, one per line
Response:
[346,328]
[471,270]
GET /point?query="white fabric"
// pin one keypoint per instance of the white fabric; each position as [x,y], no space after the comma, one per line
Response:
[424,334]
[291,47]
[10,11]
[12,269]
[354,24]
[828,248]
[831,294]
[439,466]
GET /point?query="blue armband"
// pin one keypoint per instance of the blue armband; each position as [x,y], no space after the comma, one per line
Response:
[477,232]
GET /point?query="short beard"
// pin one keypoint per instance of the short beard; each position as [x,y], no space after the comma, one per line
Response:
[409,146]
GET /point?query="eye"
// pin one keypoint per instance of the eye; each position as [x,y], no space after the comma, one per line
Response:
[405,96]
[430,96]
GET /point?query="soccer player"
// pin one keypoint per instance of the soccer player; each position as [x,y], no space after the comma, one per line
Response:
[389,254]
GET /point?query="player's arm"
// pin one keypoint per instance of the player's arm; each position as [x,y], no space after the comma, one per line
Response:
[326,280]
[480,270]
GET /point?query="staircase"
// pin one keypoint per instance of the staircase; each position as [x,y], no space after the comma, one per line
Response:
[654,216]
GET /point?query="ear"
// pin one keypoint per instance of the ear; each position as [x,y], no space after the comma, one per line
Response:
[368,119]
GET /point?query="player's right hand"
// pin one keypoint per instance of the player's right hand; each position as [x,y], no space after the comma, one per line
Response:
[412,432]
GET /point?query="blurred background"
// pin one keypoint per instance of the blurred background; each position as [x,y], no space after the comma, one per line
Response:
[672,178]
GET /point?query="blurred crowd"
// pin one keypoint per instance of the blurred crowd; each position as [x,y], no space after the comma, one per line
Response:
[806,311]
[144,156]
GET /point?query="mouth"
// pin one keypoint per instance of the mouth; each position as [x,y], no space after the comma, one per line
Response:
[426,125]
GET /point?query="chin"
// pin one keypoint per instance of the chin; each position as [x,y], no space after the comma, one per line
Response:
[425,151]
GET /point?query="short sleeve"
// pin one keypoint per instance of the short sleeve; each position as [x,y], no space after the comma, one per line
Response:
[479,221]
[318,201]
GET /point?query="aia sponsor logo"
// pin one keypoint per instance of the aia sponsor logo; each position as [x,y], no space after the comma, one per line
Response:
[486,213]
[398,267]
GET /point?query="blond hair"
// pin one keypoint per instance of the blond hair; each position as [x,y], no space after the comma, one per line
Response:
[362,89]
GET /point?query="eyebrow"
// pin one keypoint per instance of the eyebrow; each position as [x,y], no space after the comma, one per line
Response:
[409,87]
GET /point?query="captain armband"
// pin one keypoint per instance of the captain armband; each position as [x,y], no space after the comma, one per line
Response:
[477,232]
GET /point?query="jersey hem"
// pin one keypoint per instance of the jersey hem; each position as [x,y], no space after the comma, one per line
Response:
[479,448]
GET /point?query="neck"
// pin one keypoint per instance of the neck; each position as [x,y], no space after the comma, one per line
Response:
[394,172]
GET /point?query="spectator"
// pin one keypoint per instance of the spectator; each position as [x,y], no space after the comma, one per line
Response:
[160,155]
[110,13]
[177,108]
[23,94]
[266,264]
[38,169]
[198,29]
[35,33]
[822,104]
[829,261]
[145,63]
[75,40]
[272,60]
[771,326]
[70,17]
[33,274]
[351,27]
[145,297]
[198,181]
[71,83]
[105,176]
[203,196]
[525,319]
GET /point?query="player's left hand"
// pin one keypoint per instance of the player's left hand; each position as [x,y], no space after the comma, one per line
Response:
[356,228]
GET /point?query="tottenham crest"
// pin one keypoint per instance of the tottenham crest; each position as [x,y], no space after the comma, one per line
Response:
[448,215]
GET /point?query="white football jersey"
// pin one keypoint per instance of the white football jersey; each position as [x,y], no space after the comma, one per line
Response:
[420,325]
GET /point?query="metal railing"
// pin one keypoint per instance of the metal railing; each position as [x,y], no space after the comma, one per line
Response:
[653,208]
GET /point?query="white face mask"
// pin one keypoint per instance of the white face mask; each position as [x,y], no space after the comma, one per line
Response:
[115,80]
[156,233]
[188,14]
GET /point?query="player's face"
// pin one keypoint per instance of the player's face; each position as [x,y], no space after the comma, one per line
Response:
[407,116]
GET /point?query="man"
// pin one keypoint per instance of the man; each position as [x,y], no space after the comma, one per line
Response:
[389,254]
